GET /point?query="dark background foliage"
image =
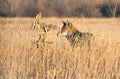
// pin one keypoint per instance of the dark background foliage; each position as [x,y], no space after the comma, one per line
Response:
[59,8]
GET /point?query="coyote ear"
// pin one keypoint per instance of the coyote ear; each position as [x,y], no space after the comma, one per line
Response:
[69,23]
[64,23]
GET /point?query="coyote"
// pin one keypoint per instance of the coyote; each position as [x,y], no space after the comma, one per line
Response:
[74,36]
[43,37]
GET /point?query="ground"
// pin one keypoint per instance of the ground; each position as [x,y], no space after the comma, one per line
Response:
[21,60]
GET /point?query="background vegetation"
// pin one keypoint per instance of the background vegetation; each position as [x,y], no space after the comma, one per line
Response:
[60,8]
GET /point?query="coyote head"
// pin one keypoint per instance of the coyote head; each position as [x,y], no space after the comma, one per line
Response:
[67,29]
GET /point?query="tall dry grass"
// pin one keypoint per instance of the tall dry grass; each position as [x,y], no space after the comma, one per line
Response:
[21,60]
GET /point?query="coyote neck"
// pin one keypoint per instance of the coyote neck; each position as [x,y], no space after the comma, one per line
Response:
[72,37]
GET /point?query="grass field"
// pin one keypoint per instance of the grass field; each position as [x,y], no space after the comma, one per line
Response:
[21,60]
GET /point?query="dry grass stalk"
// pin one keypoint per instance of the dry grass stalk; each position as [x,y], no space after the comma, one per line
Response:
[18,61]
[37,22]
